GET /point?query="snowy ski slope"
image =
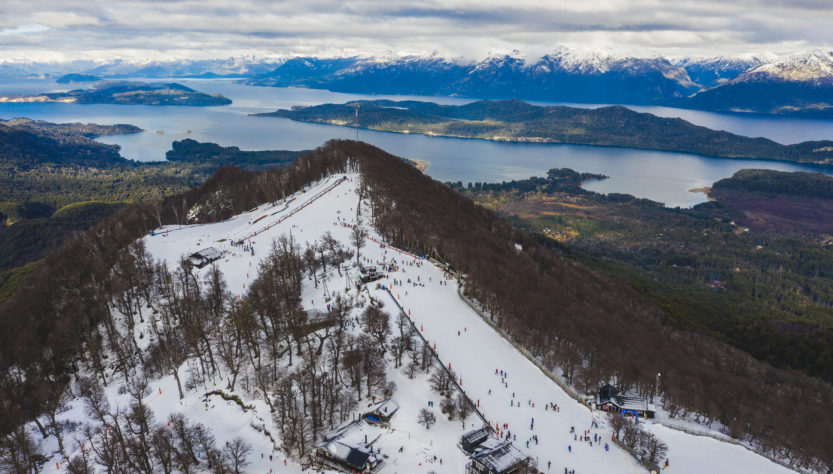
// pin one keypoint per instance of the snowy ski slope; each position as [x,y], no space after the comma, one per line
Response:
[437,310]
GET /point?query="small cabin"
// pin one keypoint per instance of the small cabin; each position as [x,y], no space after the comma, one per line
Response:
[349,448]
[473,439]
[496,457]
[344,457]
[369,274]
[381,413]
[611,400]
[205,256]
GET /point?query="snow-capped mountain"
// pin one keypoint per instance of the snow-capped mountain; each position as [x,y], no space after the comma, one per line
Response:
[800,84]
[712,71]
[814,67]
[591,76]
[235,67]
[793,84]
[564,75]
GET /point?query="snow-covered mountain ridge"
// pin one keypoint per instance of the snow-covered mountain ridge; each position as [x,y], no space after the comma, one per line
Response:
[429,296]
[580,61]
[813,66]
[563,75]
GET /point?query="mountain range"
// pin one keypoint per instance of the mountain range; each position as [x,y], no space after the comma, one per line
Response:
[800,84]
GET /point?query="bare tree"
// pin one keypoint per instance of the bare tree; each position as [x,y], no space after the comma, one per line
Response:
[441,381]
[236,453]
[330,243]
[448,407]
[411,369]
[81,463]
[464,407]
[376,323]
[427,418]
[404,341]
[18,453]
[631,434]
[617,423]
[358,236]
[373,367]
[654,449]
[164,449]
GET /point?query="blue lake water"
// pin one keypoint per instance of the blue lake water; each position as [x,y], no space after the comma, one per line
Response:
[661,176]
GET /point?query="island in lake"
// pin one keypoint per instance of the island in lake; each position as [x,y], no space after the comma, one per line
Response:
[70,78]
[128,93]
[518,121]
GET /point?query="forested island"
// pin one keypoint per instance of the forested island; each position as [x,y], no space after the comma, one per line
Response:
[518,121]
[70,78]
[128,93]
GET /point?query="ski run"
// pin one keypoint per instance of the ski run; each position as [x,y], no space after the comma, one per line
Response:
[512,393]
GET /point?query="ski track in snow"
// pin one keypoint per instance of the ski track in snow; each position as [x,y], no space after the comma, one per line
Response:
[439,312]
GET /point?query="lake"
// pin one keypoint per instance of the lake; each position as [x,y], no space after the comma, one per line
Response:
[662,176]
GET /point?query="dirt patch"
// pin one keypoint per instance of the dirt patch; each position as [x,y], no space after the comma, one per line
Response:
[420,165]
[782,213]
[704,190]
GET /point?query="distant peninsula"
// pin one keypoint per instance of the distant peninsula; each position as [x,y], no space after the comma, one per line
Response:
[70,78]
[518,121]
[128,93]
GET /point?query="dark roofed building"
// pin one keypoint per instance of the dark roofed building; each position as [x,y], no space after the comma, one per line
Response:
[472,439]
[381,412]
[611,400]
[608,392]
[348,448]
[343,457]
[205,256]
[369,274]
[495,457]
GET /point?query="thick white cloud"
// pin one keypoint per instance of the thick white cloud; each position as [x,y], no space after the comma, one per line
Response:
[84,29]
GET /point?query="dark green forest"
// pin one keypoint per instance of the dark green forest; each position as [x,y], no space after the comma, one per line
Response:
[767,292]
[131,93]
[771,182]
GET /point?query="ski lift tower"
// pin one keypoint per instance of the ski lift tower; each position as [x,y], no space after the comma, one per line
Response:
[357,121]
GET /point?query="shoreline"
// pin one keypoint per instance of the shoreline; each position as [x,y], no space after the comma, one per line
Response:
[419,164]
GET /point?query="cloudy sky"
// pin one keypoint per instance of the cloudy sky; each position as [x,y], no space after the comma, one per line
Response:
[90,29]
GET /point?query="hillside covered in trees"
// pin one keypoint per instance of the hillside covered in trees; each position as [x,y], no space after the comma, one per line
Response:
[47,169]
[593,328]
[749,269]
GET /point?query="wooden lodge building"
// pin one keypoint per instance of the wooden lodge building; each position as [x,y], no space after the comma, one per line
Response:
[205,256]
[611,400]
[381,413]
[488,455]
